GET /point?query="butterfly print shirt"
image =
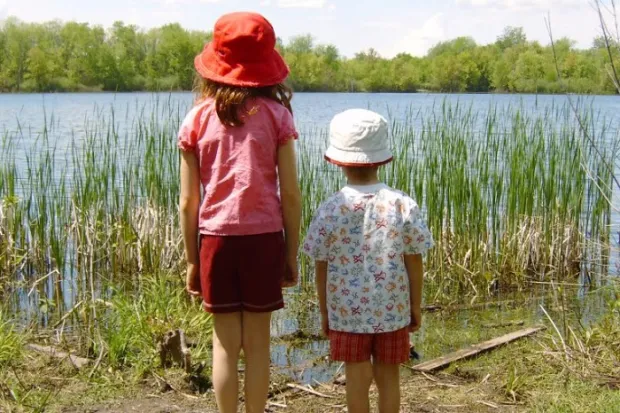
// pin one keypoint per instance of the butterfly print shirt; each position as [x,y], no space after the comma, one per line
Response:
[363,232]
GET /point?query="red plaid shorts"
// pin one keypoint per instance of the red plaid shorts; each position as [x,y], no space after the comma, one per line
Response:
[386,348]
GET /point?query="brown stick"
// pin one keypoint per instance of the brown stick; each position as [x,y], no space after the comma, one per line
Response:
[78,362]
[476,349]
[309,390]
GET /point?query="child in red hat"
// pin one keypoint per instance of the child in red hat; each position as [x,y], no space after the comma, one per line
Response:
[241,240]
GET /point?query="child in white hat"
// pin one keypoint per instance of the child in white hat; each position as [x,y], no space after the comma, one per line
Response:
[367,241]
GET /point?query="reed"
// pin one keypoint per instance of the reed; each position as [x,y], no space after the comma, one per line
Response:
[511,195]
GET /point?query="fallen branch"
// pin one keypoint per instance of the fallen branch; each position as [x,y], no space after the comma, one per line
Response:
[489,404]
[439,383]
[476,349]
[274,404]
[309,390]
[68,314]
[76,361]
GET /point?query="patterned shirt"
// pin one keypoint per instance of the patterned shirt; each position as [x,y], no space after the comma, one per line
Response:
[363,232]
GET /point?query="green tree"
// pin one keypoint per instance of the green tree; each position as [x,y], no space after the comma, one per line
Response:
[57,56]
[17,43]
[529,71]
[39,68]
[511,37]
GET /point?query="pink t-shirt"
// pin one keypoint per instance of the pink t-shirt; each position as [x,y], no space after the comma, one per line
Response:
[238,166]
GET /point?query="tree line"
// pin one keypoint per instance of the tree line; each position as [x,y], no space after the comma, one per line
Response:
[57,57]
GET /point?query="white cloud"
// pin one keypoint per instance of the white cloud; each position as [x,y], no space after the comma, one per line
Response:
[418,41]
[521,4]
[381,24]
[265,3]
[325,18]
[173,2]
[305,4]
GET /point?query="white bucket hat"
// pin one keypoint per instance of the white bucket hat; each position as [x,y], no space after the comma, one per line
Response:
[358,137]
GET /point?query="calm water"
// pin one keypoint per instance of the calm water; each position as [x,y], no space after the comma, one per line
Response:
[69,115]
[69,111]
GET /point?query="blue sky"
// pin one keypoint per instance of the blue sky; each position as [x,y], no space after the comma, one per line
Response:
[390,26]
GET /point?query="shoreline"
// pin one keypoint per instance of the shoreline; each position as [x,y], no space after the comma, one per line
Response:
[415,92]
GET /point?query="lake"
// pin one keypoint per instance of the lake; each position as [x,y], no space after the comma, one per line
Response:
[69,117]
[28,111]
[72,122]
[57,232]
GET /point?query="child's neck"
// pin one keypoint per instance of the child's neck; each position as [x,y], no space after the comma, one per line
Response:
[363,182]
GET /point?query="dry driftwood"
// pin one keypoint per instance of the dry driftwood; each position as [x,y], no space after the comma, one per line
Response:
[173,348]
[76,361]
[448,359]
[309,390]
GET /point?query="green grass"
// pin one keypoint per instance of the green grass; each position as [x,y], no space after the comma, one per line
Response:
[119,335]
[135,323]
[11,341]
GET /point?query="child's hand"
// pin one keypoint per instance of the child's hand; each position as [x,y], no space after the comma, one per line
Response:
[292,272]
[325,325]
[192,281]
[416,319]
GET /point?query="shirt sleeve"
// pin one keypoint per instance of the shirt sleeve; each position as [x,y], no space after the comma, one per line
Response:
[417,238]
[315,245]
[287,129]
[188,133]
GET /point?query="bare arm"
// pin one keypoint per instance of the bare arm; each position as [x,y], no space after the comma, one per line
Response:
[189,205]
[291,202]
[321,285]
[321,290]
[415,271]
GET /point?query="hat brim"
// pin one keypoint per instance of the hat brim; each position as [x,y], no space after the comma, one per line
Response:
[266,72]
[357,159]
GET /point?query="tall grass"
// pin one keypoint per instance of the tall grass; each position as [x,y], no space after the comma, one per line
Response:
[11,341]
[511,196]
[135,323]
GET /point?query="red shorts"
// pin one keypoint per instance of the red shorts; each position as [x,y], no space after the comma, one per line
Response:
[386,348]
[242,273]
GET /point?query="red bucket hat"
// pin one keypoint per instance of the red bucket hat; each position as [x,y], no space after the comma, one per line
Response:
[242,53]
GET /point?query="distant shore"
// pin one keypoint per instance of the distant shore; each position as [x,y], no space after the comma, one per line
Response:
[413,92]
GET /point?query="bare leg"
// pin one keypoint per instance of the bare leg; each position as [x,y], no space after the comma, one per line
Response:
[226,349]
[256,341]
[387,378]
[359,378]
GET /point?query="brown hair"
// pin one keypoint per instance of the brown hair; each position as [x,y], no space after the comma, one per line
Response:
[230,100]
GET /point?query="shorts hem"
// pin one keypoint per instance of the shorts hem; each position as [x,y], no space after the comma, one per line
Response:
[372,359]
[350,359]
[241,307]
[258,229]
[385,348]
